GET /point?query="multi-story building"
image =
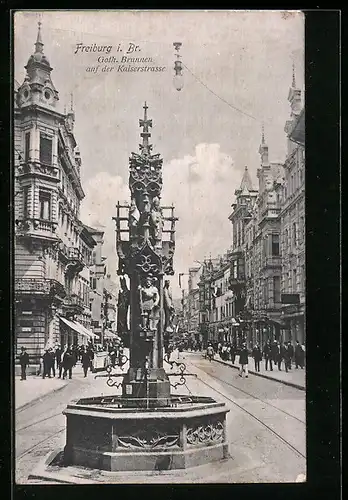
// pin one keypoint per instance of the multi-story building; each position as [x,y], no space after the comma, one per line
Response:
[293,221]
[266,250]
[193,301]
[52,246]
[241,278]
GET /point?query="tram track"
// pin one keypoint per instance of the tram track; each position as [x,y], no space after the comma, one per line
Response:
[255,397]
[242,408]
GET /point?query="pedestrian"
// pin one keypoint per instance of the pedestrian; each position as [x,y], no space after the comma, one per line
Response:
[46,360]
[67,362]
[267,352]
[243,360]
[58,356]
[233,353]
[224,352]
[275,352]
[257,355]
[287,357]
[291,353]
[299,355]
[228,355]
[210,352]
[24,362]
[280,355]
[51,367]
[86,361]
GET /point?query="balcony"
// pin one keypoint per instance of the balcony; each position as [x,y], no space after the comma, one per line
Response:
[39,287]
[73,304]
[75,261]
[37,228]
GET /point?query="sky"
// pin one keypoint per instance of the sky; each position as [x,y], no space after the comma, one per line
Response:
[243,57]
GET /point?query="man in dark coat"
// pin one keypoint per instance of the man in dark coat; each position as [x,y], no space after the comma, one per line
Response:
[24,362]
[275,352]
[243,361]
[85,361]
[58,356]
[280,355]
[299,355]
[47,361]
[68,362]
[291,353]
[267,351]
[287,356]
[257,355]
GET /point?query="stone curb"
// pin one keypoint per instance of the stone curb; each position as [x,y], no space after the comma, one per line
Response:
[285,382]
[38,398]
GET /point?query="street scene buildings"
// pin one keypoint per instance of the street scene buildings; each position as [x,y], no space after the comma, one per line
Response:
[159,247]
[255,292]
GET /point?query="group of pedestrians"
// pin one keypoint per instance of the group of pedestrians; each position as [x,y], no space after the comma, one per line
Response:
[277,353]
[59,360]
[274,353]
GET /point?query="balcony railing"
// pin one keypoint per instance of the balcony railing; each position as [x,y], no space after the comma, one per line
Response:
[73,300]
[36,225]
[38,286]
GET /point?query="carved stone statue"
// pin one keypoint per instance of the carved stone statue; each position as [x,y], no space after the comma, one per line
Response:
[169,310]
[122,307]
[156,222]
[149,305]
[134,216]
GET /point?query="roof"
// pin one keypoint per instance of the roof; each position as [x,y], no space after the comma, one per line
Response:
[246,181]
[297,133]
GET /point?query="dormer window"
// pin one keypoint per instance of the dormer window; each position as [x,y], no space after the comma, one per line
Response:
[45,149]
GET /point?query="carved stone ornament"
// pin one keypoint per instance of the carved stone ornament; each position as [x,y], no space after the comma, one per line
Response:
[210,433]
[149,438]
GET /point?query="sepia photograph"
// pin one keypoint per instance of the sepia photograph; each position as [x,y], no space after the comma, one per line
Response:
[159,246]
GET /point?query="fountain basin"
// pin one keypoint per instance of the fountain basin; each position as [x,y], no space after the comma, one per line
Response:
[116,433]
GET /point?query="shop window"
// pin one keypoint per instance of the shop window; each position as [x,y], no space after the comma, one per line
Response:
[45,149]
[45,205]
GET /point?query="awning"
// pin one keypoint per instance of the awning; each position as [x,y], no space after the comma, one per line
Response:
[88,332]
[110,335]
[77,327]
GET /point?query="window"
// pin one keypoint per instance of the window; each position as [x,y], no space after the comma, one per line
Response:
[93,283]
[235,269]
[302,229]
[25,202]
[276,289]
[275,244]
[294,280]
[265,241]
[303,278]
[294,235]
[45,205]
[45,150]
[27,146]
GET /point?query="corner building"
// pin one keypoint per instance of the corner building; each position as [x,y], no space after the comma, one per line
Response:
[52,246]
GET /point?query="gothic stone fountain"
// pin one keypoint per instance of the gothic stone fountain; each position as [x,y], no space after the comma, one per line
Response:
[147,427]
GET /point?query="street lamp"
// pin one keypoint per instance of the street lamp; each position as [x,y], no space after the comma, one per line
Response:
[178,79]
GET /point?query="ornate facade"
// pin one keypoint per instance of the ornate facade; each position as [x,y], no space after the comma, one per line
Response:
[52,246]
[293,220]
